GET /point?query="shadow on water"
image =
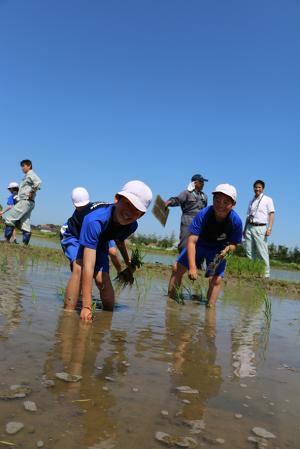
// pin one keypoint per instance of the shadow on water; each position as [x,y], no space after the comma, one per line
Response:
[155,366]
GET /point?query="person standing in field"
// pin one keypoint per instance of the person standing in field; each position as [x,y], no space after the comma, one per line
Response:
[191,201]
[19,215]
[258,225]
[214,232]
[13,188]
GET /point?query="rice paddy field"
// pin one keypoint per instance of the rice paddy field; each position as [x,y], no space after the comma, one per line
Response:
[153,373]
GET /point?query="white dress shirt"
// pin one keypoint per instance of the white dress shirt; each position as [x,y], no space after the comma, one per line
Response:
[260,207]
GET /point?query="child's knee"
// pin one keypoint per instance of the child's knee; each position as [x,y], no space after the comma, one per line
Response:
[112,251]
[216,281]
[174,268]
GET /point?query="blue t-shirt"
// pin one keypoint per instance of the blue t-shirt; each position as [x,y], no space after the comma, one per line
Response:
[98,228]
[10,200]
[213,233]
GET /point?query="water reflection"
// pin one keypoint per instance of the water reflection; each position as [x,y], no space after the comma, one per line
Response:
[195,353]
[10,296]
[249,334]
[88,351]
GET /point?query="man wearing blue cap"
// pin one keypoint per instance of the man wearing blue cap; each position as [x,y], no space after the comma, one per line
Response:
[191,201]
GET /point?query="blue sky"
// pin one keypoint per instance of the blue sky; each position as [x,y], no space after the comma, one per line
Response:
[100,92]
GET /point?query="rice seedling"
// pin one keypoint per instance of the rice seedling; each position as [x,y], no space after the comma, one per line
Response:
[143,284]
[178,296]
[216,262]
[94,308]
[137,258]
[125,277]
[61,290]
[268,308]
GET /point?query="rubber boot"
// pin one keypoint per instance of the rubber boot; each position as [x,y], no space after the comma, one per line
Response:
[26,237]
[8,232]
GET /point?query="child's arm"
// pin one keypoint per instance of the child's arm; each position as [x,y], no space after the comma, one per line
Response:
[5,210]
[89,260]
[228,249]
[123,250]
[191,255]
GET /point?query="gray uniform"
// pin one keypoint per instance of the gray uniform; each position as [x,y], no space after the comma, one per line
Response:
[190,203]
[19,215]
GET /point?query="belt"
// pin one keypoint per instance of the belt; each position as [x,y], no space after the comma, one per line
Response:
[258,224]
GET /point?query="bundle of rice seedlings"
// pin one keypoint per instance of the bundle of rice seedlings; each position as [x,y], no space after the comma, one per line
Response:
[178,296]
[137,258]
[217,260]
[125,277]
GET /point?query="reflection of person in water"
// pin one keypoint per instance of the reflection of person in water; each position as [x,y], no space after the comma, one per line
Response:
[10,295]
[245,338]
[82,350]
[195,358]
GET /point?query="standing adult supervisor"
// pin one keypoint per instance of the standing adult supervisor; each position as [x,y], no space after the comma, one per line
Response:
[19,215]
[258,225]
[191,201]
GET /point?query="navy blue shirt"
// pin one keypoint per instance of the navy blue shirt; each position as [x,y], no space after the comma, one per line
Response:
[74,223]
[98,228]
[214,233]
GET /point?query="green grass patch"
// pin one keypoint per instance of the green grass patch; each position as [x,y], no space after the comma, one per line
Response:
[243,266]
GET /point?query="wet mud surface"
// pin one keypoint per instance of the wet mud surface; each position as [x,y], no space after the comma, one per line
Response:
[151,374]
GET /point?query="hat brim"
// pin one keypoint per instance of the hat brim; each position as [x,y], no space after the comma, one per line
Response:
[200,179]
[81,204]
[225,193]
[134,200]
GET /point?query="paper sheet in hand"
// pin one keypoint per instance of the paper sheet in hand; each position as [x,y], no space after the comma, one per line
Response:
[160,211]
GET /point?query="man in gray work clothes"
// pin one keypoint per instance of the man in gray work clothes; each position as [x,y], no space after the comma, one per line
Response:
[191,201]
[19,215]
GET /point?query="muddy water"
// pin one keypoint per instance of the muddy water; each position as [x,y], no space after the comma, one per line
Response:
[132,362]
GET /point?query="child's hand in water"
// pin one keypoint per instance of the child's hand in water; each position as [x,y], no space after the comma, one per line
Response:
[86,314]
[193,275]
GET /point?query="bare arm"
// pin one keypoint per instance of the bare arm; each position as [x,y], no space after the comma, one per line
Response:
[228,249]
[123,250]
[89,260]
[5,210]
[191,255]
[271,221]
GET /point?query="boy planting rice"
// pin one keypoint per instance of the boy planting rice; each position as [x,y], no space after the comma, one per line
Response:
[214,232]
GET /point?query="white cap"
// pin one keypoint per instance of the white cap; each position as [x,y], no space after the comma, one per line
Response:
[13,185]
[138,193]
[80,197]
[227,189]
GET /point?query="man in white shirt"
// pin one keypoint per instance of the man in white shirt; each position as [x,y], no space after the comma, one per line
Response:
[258,226]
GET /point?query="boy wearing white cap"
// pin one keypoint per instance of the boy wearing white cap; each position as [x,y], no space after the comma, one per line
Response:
[215,231]
[69,235]
[13,188]
[111,222]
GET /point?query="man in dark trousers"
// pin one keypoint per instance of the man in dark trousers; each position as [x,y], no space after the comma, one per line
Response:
[191,201]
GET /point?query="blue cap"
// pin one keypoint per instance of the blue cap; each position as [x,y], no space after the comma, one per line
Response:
[198,178]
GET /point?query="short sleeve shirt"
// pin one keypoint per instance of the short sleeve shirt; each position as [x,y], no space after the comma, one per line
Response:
[98,228]
[10,200]
[260,208]
[213,233]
